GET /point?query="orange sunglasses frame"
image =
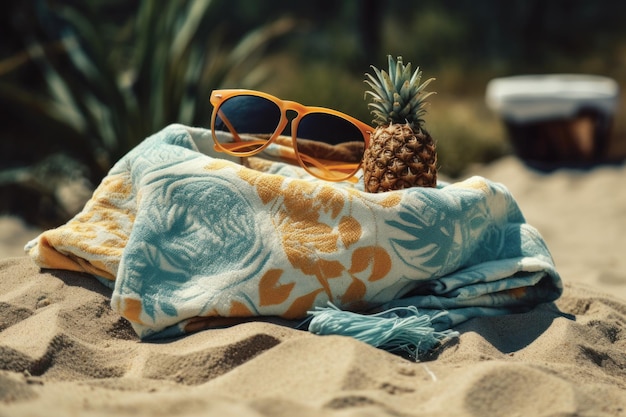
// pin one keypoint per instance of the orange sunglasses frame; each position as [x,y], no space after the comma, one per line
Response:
[220,96]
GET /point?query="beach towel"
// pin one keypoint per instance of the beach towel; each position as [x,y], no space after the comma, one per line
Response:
[189,240]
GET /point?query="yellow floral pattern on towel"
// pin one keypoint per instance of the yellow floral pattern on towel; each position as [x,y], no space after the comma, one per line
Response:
[188,241]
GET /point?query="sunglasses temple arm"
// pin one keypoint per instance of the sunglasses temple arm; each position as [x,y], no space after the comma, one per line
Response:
[237,146]
[229,126]
[322,167]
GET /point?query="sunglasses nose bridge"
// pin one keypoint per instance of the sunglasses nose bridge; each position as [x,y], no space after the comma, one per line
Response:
[295,106]
[300,110]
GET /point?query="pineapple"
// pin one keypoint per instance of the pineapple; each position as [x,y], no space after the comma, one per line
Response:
[401,153]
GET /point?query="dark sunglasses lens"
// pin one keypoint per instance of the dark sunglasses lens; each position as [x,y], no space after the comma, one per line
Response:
[245,116]
[332,141]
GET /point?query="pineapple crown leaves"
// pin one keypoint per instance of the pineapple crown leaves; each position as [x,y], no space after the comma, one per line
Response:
[397,96]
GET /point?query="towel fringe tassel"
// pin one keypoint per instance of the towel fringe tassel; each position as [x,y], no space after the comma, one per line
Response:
[396,329]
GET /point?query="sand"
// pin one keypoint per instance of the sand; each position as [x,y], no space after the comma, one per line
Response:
[64,352]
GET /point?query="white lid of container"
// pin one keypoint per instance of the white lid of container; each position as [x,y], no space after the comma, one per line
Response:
[535,97]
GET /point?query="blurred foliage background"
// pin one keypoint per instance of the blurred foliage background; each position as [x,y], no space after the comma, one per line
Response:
[83,81]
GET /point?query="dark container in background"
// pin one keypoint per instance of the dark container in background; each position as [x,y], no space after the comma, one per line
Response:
[556,120]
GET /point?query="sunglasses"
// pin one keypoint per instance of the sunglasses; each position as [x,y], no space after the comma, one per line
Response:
[328,144]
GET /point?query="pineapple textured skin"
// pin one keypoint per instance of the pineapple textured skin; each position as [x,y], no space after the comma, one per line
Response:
[399,157]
